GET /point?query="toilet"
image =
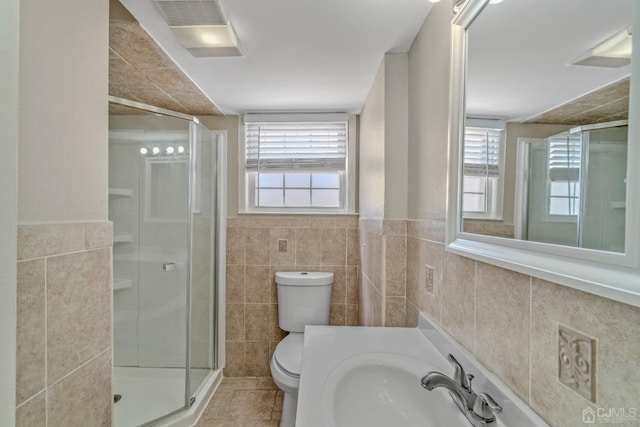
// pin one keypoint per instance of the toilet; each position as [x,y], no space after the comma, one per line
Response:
[304,298]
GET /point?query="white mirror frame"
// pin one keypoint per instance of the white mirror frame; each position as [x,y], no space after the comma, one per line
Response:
[611,275]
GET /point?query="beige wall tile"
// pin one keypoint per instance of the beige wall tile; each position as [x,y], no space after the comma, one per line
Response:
[256,356]
[347,221]
[322,222]
[33,413]
[257,284]
[40,240]
[296,222]
[234,360]
[235,283]
[432,230]
[339,287]
[458,298]
[334,246]
[98,234]
[611,323]
[337,315]
[394,226]
[395,311]
[84,396]
[395,264]
[234,323]
[502,325]
[31,337]
[235,245]
[288,238]
[353,287]
[352,315]
[353,247]
[264,221]
[308,246]
[78,309]
[256,322]
[411,317]
[257,249]
[424,276]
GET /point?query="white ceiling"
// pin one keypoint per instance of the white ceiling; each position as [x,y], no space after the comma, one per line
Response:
[300,55]
[520,51]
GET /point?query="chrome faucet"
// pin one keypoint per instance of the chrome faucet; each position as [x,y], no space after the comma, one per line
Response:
[480,409]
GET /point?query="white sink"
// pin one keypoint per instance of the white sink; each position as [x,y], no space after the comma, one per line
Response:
[370,377]
[383,389]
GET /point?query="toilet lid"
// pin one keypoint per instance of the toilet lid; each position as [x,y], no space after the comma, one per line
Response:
[288,353]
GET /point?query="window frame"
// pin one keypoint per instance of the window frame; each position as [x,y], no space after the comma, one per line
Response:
[247,179]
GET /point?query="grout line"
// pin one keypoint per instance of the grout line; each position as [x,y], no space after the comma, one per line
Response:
[32,397]
[46,345]
[80,366]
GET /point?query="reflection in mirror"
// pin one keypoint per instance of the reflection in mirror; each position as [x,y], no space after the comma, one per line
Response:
[547,104]
[572,187]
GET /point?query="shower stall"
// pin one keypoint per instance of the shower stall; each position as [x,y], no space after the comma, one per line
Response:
[571,187]
[167,204]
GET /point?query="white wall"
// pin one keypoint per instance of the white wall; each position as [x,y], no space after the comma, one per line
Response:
[63,111]
[231,125]
[383,142]
[396,136]
[429,115]
[371,161]
[8,170]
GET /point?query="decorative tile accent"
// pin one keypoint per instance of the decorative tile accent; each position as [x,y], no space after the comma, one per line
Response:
[428,279]
[576,362]
[282,246]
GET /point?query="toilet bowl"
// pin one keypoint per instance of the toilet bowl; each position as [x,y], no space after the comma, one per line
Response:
[286,365]
[303,299]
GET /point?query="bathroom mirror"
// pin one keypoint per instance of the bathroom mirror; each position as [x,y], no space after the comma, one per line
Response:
[542,141]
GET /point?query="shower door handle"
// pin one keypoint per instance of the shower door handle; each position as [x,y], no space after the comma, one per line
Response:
[169,266]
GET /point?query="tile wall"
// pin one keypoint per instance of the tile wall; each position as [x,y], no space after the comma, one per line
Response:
[383,245]
[260,245]
[511,322]
[64,325]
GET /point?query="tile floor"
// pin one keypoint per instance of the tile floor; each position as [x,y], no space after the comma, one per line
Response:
[244,402]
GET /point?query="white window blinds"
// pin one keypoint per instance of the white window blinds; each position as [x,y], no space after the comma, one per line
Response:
[296,146]
[481,152]
[565,153]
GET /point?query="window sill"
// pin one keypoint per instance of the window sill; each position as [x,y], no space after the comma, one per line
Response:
[287,213]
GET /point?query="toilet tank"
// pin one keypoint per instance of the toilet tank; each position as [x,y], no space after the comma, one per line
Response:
[304,298]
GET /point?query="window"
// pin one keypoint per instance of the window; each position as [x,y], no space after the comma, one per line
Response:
[482,169]
[296,166]
[563,174]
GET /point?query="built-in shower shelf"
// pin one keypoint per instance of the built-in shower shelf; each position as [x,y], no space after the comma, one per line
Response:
[120,192]
[122,238]
[618,205]
[119,284]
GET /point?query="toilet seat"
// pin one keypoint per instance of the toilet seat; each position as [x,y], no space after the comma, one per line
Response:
[288,354]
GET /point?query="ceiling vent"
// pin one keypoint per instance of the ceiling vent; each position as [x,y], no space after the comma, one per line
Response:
[180,13]
[201,27]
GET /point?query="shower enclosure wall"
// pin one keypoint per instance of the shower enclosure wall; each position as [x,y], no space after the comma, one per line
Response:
[166,201]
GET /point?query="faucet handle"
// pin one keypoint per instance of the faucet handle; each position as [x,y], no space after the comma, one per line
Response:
[470,378]
[459,375]
[485,407]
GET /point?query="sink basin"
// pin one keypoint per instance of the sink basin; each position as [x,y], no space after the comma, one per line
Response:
[383,389]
